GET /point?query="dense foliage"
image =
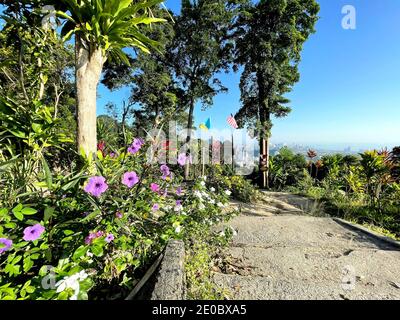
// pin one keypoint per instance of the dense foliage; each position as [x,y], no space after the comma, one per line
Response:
[363,188]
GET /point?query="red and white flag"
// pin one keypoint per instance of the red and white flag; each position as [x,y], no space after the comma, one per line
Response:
[232,122]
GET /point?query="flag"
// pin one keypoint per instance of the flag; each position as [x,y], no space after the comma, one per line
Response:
[232,122]
[208,123]
[206,126]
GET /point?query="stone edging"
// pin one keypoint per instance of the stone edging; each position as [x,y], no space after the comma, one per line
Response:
[367,231]
[170,279]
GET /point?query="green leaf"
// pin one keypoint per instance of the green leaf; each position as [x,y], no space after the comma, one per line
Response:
[48,213]
[28,264]
[18,134]
[18,208]
[18,215]
[47,172]
[28,211]
[68,232]
[81,251]
[97,250]
[92,215]
[37,127]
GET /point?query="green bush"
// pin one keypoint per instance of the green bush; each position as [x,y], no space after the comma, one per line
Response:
[76,235]
[223,178]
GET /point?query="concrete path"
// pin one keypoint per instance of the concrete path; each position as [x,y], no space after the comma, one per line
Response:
[281,253]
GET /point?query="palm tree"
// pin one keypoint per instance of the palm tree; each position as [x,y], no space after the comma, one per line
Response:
[102,29]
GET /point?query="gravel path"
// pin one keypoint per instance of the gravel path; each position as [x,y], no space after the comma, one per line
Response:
[281,253]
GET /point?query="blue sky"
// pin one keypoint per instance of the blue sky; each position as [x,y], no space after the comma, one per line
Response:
[349,91]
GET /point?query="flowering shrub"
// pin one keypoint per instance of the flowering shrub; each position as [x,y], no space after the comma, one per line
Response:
[241,189]
[92,236]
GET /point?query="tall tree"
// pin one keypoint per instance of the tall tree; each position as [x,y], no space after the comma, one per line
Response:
[269,39]
[201,49]
[155,98]
[102,29]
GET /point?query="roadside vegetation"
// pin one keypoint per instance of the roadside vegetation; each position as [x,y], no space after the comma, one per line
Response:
[363,188]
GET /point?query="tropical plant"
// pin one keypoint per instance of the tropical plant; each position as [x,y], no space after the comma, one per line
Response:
[102,30]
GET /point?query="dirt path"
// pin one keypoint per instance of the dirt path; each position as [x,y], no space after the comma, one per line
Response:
[281,253]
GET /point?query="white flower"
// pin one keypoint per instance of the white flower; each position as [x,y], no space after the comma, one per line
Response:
[212,201]
[178,229]
[212,189]
[233,231]
[81,275]
[205,195]
[204,178]
[197,194]
[220,205]
[228,193]
[202,183]
[201,206]
[183,213]
[71,282]
[168,208]
[178,208]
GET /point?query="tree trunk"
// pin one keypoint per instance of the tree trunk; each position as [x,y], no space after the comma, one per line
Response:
[264,159]
[89,64]
[264,117]
[189,137]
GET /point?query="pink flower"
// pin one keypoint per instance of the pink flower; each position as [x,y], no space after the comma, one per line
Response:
[130,179]
[89,239]
[5,244]
[155,187]
[119,215]
[182,159]
[96,186]
[109,238]
[33,233]
[99,234]
[136,145]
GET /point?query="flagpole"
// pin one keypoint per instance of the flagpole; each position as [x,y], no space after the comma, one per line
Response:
[233,154]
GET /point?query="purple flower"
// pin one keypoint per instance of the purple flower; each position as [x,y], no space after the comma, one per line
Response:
[90,238]
[113,155]
[5,244]
[135,146]
[165,170]
[155,187]
[179,191]
[99,234]
[182,159]
[156,207]
[119,215]
[130,179]
[178,202]
[109,238]
[96,186]
[33,233]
